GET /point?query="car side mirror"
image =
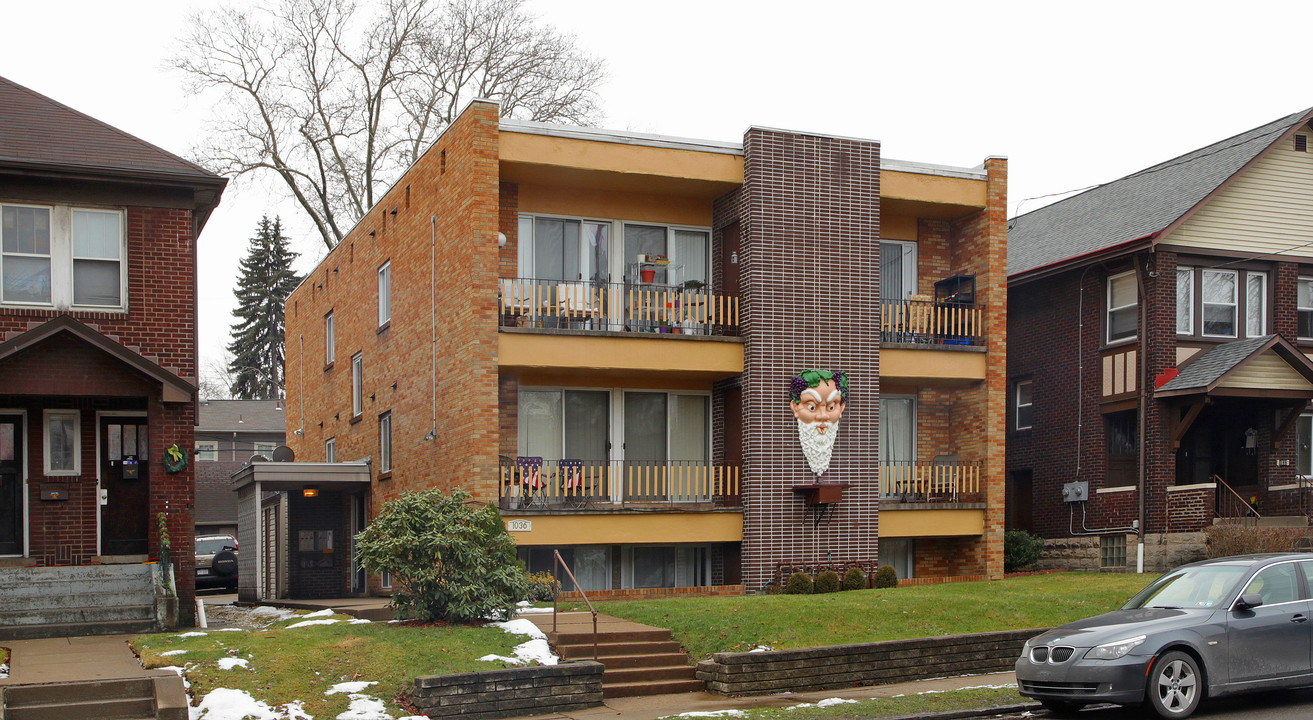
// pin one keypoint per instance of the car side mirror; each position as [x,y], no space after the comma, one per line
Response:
[1249,600]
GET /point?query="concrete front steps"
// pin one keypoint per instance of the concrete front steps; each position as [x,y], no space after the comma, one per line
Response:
[638,659]
[41,602]
[153,698]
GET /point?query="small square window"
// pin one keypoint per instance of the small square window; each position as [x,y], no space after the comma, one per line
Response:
[207,450]
[266,449]
[1112,551]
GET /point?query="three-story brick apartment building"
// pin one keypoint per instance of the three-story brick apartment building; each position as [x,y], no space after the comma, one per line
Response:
[1159,330]
[597,331]
[97,367]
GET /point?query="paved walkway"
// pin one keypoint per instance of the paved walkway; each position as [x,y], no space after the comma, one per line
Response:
[100,657]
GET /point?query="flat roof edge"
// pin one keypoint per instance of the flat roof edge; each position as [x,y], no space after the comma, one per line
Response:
[921,168]
[529,127]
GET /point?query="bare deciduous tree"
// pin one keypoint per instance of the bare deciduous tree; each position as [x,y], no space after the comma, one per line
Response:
[336,98]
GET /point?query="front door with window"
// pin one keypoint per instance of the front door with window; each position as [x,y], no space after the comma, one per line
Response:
[125,482]
[11,485]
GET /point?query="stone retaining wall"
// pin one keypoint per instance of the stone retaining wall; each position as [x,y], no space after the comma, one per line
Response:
[511,692]
[880,663]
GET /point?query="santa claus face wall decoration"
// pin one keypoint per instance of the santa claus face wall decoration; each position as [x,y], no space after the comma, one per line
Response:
[818,398]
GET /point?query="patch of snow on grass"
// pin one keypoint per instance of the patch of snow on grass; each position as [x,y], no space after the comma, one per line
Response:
[228,704]
[229,663]
[192,634]
[349,687]
[326,612]
[711,713]
[227,630]
[365,707]
[762,648]
[271,611]
[172,652]
[827,702]
[532,611]
[308,623]
[500,658]
[358,621]
[536,649]
[296,711]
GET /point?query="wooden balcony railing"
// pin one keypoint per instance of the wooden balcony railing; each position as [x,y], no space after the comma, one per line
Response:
[927,322]
[617,307]
[533,483]
[931,481]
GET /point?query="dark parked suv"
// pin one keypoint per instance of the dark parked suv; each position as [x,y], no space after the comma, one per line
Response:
[216,561]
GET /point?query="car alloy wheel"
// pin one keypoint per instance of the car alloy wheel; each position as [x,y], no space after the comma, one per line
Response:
[1174,685]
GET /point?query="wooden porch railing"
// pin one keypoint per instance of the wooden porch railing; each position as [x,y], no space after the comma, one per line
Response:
[528,483]
[930,480]
[924,321]
[619,307]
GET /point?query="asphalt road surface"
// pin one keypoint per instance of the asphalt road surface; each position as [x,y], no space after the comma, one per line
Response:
[1273,705]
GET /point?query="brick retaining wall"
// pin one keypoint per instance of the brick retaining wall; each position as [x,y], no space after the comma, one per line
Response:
[511,692]
[880,663]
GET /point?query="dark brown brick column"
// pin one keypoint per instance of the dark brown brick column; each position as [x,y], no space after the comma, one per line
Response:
[810,213]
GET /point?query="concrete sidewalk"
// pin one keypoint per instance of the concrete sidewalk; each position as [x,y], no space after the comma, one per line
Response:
[74,659]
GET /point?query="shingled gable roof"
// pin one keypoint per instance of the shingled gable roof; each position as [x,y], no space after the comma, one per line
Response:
[1137,207]
[38,133]
[1207,371]
[176,389]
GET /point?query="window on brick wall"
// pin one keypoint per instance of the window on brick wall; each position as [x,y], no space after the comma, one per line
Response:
[385,294]
[1212,302]
[1023,394]
[1122,442]
[264,448]
[1304,306]
[62,257]
[1123,306]
[330,450]
[330,351]
[207,450]
[357,384]
[62,435]
[385,442]
[1112,551]
[1304,446]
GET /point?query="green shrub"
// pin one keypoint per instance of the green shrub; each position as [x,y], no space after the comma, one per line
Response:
[541,587]
[854,579]
[1224,540]
[449,560]
[827,582]
[1021,550]
[800,583]
[885,577]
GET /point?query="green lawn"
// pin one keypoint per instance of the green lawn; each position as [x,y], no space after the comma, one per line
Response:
[709,625]
[300,664]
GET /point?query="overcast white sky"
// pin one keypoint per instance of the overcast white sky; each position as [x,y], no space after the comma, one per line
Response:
[1073,94]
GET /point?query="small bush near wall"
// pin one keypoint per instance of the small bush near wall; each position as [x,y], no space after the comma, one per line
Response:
[1224,540]
[854,579]
[885,577]
[827,582]
[1021,551]
[800,583]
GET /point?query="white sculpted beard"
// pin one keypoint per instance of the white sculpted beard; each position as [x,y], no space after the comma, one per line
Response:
[816,445]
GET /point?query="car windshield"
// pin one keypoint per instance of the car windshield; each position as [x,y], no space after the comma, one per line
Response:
[210,546]
[1202,586]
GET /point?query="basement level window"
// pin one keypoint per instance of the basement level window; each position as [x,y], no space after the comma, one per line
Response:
[1112,551]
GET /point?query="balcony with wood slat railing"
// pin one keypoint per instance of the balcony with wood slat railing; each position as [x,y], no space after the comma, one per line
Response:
[931,323]
[616,307]
[944,480]
[536,484]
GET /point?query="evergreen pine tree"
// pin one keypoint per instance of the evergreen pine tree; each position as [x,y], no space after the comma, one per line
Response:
[258,345]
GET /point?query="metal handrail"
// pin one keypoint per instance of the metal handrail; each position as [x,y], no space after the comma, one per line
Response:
[558,561]
[1249,509]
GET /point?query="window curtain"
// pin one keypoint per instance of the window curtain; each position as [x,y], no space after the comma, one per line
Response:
[586,422]
[592,567]
[540,424]
[597,237]
[897,428]
[645,427]
[891,272]
[691,252]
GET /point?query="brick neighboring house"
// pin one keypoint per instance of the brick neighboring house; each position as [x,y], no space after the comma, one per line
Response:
[596,332]
[228,435]
[1159,332]
[97,352]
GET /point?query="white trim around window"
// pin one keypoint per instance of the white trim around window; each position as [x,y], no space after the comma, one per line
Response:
[330,450]
[1123,302]
[1220,303]
[1024,405]
[63,257]
[61,432]
[385,293]
[1304,307]
[207,450]
[357,384]
[330,342]
[385,442]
